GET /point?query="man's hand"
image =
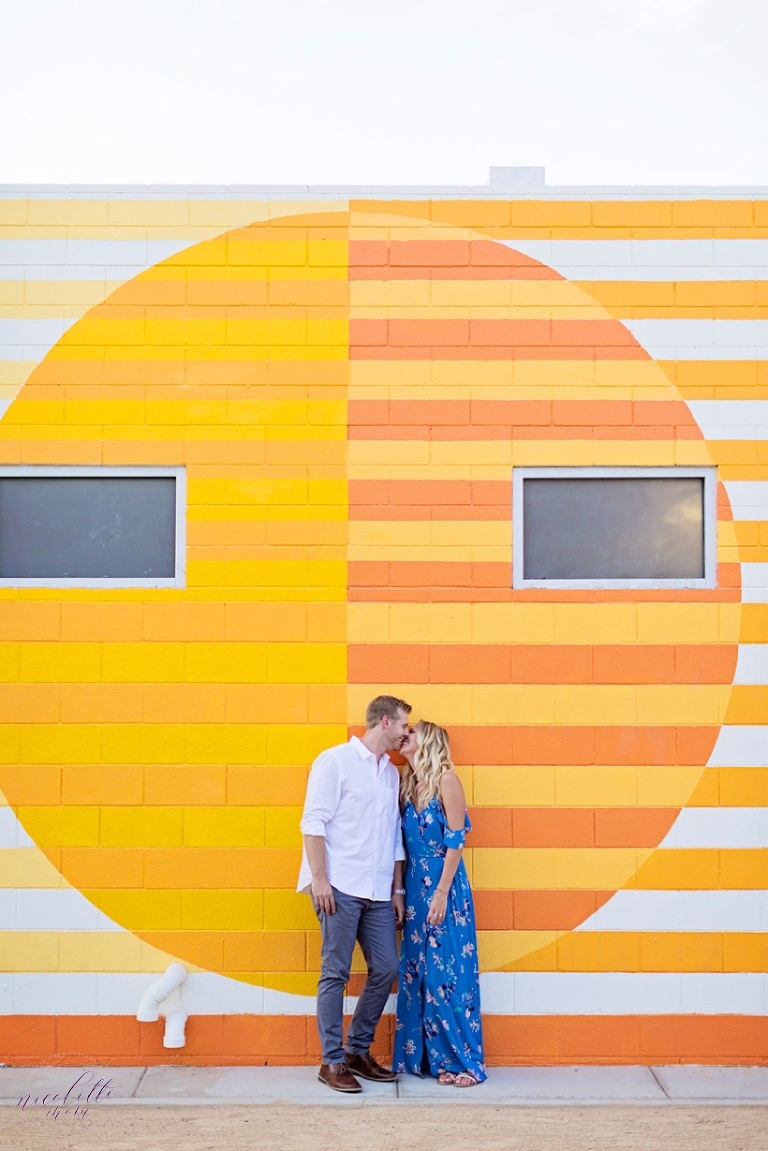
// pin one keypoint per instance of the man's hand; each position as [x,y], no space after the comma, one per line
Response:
[398,905]
[322,893]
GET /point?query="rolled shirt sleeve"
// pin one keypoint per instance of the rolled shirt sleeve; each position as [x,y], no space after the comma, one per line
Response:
[399,845]
[323,795]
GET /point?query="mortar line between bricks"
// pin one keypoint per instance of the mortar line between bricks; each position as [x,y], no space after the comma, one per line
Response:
[661,1085]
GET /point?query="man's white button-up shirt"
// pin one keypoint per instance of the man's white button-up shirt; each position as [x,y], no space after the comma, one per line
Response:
[353,800]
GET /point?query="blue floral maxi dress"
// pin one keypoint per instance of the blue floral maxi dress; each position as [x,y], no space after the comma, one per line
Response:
[438,1005]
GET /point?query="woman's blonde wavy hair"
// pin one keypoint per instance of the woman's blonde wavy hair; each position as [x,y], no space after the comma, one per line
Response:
[421,782]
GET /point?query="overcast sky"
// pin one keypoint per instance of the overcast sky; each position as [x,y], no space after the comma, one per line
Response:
[383,91]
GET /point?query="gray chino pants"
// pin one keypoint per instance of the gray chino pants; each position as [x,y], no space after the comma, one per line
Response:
[372,923]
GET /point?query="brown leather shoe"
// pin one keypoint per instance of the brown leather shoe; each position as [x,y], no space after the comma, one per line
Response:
[367,1067]
[337,1076]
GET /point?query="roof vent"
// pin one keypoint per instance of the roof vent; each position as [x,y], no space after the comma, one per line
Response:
[517,177]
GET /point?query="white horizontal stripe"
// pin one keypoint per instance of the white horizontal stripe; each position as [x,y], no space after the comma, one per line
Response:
[752,663]
[632,910]
[703,352]
[754,583]
[30,339]
[41,255]
[654,260]
[740,746]
[502,993]
[12,834]
[109,993]
[51,909]
[699,333]
[111,275]
[731,419]
[725,827]
[748,498]
[622,993]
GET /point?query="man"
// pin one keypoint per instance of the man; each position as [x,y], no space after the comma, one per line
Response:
[353,867]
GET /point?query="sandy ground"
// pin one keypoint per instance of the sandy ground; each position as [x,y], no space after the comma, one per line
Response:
[454,1128]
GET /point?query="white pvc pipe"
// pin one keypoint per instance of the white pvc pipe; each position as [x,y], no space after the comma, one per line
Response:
[149,1007]
[175,1022]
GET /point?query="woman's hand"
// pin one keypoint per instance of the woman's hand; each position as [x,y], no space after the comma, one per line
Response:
[437,906]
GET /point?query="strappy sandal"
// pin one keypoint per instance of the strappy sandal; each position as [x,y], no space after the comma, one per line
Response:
[469,1080]
[446,1078]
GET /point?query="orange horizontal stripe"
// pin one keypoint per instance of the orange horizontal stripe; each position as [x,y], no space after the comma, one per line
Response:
[375,573]
[626,1039]
[569,827]
[419,582]
[491,333]
[442,260]
[236,1040]
[542,663]
[492,339]
[561,744]
[536,910]
[519,419]
[178,867]
[120,1040]
[467,497]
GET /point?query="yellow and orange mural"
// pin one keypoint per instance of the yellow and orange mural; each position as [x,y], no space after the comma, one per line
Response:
[349,386]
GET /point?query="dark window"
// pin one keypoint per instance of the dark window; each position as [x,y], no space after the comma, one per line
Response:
[95,527]
[629,528]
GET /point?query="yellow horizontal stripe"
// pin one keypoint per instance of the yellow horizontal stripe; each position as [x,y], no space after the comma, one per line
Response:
[732,787]
[112,219]
[437,533]
[613,704]
[222,353]
[334,439]
[694,869]
[491,459]
[235,743]
[125,333]
[28,867]
[11,310]
[267,513]
[573,220]
[475,377]
[53,297]
[585,310]
[587,786]
[500,950]
[685,299]
[435,294]
[32,951]
[717,379]
[639,951]
[173,662]
[544,868]
[310,580]
[323,417]
[123,826]
[590,623]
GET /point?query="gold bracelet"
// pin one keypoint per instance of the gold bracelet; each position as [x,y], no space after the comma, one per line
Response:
[443,892]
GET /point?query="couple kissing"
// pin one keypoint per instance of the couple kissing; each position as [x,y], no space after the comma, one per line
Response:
[381,852]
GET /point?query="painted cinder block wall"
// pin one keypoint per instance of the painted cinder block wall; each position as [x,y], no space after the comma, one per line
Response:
[349,380]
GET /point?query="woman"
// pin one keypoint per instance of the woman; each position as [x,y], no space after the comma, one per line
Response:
[439,1030]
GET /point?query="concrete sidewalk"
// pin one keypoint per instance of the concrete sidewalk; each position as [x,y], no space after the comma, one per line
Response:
[521,1086]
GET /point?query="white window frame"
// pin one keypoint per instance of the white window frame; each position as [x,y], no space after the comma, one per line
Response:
[96,472]
[709,476]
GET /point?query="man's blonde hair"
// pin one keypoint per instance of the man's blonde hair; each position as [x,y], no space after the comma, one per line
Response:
[382,705]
